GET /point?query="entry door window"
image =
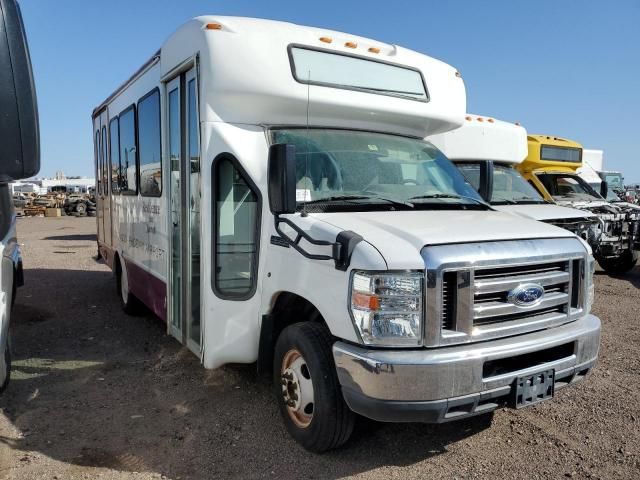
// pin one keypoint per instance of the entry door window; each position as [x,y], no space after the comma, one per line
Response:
[236,232]
[174,183]
[193,149]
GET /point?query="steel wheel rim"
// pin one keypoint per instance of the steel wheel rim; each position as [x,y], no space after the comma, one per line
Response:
[297,388]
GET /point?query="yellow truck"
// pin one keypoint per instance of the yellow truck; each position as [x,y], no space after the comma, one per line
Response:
[551,167]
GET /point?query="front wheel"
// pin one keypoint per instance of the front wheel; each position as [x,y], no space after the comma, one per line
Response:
[618,265]
[308,390]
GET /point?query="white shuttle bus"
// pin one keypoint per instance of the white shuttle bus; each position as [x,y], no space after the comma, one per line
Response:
[265,188]
[486,151]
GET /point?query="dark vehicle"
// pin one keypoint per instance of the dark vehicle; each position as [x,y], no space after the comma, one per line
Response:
[19,157]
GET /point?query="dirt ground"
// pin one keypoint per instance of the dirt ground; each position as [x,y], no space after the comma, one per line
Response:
[98,394]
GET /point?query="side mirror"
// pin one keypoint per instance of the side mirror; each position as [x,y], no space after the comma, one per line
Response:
[20,146]
[281,178]
[604,189]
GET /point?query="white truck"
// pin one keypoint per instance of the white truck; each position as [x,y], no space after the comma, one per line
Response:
[19,158]
[486,151]
[298,219]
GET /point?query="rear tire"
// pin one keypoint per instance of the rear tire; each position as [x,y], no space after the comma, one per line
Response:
[618,265]
[307,388]
[129,303]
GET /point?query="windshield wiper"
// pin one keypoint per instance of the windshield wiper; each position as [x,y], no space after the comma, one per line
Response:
[517,200]
[449,195]
[339,198]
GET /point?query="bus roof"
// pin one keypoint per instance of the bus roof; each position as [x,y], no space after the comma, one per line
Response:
[551,140]
[483,138]
[265,72]
[550,153]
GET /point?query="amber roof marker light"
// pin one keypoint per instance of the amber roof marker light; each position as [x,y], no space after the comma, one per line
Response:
[326,39]
[213,26]
[374,50]
[351,45]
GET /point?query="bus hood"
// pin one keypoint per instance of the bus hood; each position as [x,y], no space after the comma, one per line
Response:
[627,207]
[584,204]
[544,211]
[400,236]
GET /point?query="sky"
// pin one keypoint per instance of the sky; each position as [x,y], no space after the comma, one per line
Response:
[565,68]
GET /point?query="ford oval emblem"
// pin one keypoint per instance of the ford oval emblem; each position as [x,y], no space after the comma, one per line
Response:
[526,295]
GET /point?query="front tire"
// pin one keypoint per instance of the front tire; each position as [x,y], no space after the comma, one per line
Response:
[307,388]
[618,265]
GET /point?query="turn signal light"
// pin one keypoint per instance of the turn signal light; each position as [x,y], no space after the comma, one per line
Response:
[362,300]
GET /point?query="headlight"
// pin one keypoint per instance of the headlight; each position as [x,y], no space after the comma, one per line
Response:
[591,291]
[386,308]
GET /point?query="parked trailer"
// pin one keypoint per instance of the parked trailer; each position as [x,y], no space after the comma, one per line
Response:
[19,158]
[264,187]
[487,151]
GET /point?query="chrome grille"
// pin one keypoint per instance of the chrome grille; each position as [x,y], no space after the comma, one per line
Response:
[468,287]
[492,285]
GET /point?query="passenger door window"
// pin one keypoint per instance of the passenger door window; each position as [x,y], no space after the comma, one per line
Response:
[128,171]
[149,145]
[236,207]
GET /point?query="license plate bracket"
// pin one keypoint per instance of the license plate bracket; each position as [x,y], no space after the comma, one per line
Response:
[534,388]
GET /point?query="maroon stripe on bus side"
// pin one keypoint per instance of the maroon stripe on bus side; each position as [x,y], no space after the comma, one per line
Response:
[149,289]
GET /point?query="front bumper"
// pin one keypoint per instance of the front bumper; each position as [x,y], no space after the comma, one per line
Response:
[438,385]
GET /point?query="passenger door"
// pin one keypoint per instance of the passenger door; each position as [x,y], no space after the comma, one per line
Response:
[184,190]
[106,179]
[99,158]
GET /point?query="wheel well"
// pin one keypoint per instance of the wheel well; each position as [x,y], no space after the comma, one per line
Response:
[288,308]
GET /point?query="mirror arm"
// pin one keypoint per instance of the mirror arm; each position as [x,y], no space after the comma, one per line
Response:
[341,249]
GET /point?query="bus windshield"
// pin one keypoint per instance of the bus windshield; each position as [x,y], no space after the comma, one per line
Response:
[509,187]
[563,186]
[349,168]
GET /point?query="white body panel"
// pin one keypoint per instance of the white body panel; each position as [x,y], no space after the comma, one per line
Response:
[483,138]
[593,159]
[591,165]
[544,212]
[230,92]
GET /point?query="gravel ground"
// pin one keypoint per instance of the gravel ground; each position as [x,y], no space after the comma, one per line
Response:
[98,394]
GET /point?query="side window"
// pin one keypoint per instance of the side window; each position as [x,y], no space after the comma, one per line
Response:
[127,133]
[236,231]
[471,173]
[114,155]
[149,145]
[105,162]
[98,163]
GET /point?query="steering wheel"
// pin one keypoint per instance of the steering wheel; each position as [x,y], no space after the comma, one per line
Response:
[411,181]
